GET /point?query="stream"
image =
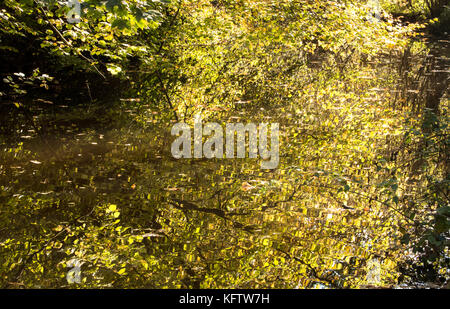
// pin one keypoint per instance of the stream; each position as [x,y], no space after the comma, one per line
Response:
[98,186]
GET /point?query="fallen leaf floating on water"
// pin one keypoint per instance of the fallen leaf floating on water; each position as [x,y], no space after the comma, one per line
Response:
[171,189]
[151,235]
[247,187]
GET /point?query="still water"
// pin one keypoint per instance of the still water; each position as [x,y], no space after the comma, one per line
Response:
[92,196]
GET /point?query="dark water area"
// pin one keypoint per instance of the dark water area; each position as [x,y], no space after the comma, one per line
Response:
[96,186]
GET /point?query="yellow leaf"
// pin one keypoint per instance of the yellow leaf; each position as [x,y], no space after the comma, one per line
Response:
[112,207]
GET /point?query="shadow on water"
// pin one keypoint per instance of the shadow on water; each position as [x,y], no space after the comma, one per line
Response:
[102,187]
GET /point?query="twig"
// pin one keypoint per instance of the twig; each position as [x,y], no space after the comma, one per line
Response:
[67,42]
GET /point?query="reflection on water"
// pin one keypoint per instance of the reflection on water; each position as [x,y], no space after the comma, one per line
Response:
[101,188]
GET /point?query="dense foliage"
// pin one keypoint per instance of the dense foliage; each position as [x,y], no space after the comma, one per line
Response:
[360,196]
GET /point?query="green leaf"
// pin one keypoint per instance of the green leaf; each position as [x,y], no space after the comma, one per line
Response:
[112,207]
[113,68]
